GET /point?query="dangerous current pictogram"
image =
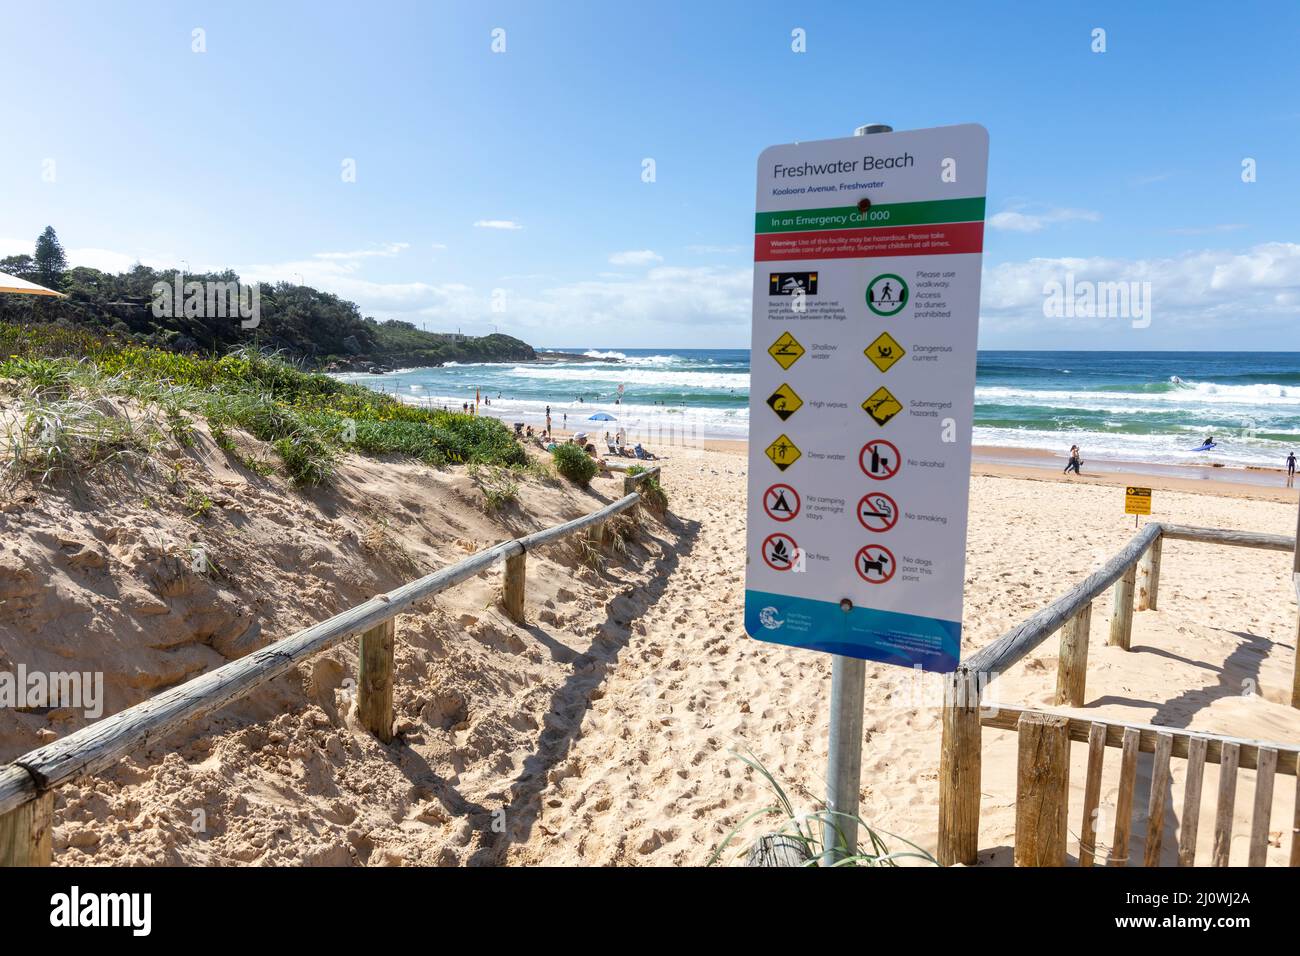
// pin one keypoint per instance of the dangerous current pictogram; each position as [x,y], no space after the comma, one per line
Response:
[874,563]
[781,502]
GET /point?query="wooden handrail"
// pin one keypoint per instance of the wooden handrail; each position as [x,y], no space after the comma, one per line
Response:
[1241,539]
[1007,718]
[1024,637]
[99,745]
[959,763]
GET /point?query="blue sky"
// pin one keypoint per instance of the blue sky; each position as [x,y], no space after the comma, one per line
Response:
[518,174]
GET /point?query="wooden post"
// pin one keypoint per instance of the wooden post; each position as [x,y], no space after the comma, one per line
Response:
[596,535]
[1121,616]
[1157,799]
[629,483]
[1191,821]
[1128,762]
[1295,580]
[1229,758]
[1042,789]
[1072,667]
[512,587]
[1092,794]
[26,833]
[959,771]
[375,680]
[1149,578]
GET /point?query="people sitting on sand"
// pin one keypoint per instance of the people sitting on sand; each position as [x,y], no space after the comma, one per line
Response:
[643,454]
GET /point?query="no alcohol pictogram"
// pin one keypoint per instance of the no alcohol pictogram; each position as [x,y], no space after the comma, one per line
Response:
[780,552]
[879,459]
[781,502]
[877,511]
[874,563]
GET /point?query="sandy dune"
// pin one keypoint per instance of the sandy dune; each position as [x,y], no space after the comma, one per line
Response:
[601,732]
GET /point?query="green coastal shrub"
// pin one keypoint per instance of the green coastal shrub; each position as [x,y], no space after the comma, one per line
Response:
[574,463]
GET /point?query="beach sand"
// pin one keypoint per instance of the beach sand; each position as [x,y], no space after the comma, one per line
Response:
[602,731]
[651,778]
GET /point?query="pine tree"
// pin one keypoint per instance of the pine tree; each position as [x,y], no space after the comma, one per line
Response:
[50,260]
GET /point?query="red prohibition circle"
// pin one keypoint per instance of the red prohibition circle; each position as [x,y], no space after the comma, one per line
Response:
[794,494]
[864,564]
[884,524]
[794,551]
[885,466]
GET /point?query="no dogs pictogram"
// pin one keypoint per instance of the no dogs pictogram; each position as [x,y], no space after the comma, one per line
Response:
[781,502]
[877,512]
[874,563]
[780,552]
[879,459]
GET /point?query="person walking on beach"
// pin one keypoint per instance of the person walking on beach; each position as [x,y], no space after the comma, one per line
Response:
[1074,463]
[548,418]
[1290,467]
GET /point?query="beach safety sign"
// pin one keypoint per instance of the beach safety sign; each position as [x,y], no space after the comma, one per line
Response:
[867,257]
[1137,501]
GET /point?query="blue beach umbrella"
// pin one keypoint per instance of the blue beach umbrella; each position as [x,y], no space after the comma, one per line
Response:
[601,417]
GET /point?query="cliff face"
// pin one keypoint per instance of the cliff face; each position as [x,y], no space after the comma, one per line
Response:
[401,345]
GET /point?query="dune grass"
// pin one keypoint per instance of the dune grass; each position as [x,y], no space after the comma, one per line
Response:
[62,377]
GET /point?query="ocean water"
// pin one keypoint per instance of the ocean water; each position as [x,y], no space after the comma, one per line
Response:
[1130,406]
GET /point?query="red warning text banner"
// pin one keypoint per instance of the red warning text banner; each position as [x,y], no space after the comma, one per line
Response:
[943,239]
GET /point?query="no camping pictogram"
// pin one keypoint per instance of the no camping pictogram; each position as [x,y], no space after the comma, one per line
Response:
[781,502]
[874,563]
[780,552]
[879,459]
[877,511]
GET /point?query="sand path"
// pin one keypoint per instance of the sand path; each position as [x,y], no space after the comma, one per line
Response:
[651,778]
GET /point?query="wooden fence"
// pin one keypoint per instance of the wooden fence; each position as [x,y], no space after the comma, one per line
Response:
[1043,785]
[27,784]
[1134,573]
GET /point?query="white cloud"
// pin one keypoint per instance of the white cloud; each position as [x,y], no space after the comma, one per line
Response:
[635,257]
[1016,221]
[384,250]
[1256,289]
[508,224]
[707,250]
[105,260]
[438,246]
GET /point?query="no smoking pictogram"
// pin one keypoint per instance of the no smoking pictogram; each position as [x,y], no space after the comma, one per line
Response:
[879,459]
[780,552]
[781,502]
[874,563]
[877,511]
